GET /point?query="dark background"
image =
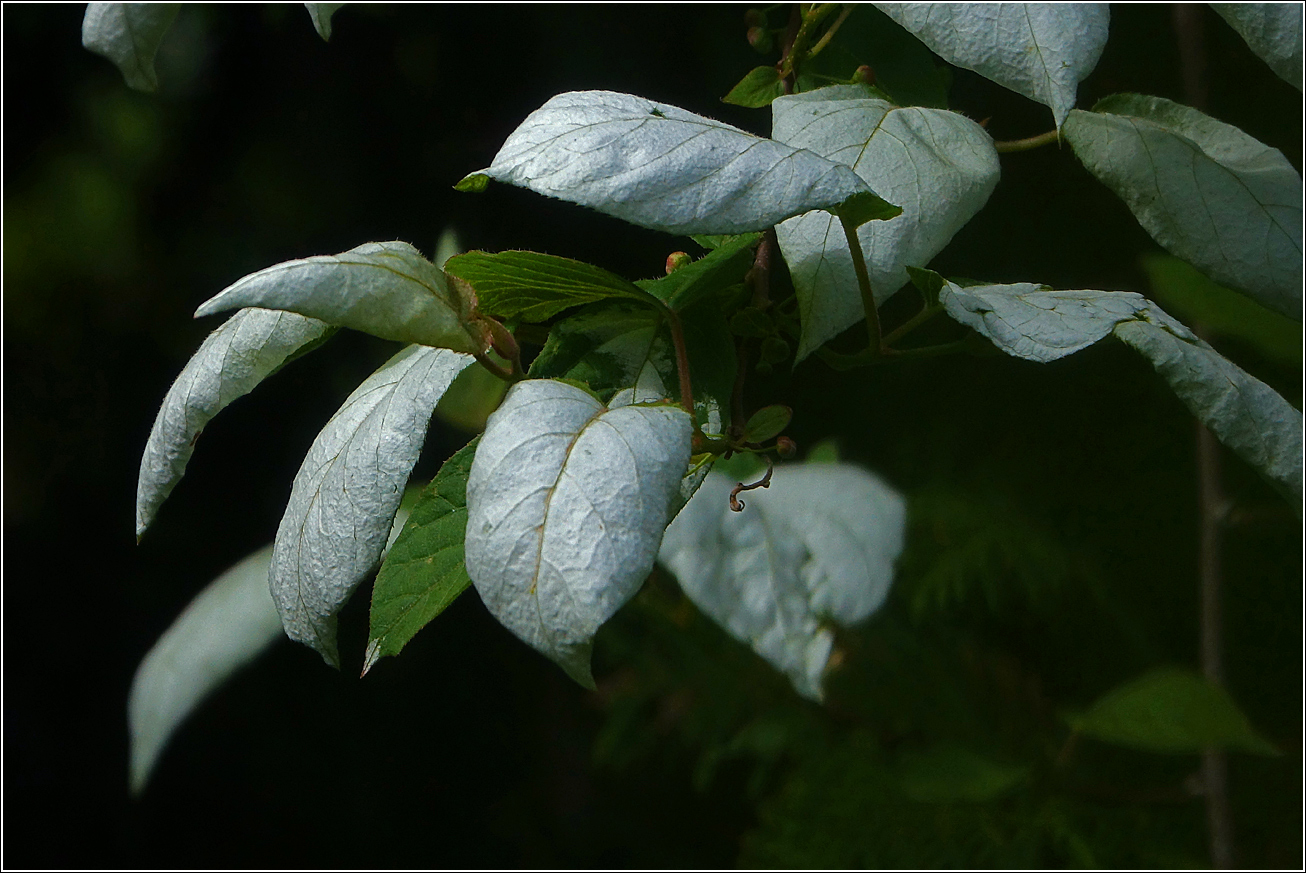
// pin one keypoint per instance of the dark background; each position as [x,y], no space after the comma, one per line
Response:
[124,211]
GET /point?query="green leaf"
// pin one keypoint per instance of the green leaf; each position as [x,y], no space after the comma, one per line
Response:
[1206,192]
[321,14]
[751,322]
[866,206]
[129,35]
[724,266]
[424,571]
[948,773]
[606,346]
[473,183]
[535,287]
[1273,31]
[1196,300]
[767,423]
[1171,710]
[928,282]
[386,289]
[758,88]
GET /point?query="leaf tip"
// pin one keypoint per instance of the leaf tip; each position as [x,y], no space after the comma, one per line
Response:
[473,183]
[370,656]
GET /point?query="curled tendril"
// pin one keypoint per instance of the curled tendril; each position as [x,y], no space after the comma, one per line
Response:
[738,505]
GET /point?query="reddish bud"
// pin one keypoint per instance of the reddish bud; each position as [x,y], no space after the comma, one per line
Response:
[864,75]
[676,260]
[760,39]
[785,447]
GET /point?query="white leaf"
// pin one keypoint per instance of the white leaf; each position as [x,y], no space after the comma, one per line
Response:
[819,545]
[348,489]
[1243,412]
[386,289]
[1035,323]
[1207,192]
[566,504]
[661,167]
[232,360]
[321,14]
[1040,50]
[940,167]
[1273,31]
[228,625]
[129,35]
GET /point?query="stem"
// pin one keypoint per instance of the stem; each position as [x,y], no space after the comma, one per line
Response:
[682,365]
[829,34]
[841,362]
[911,324]
[1024,145]
[506,375]
[798,51]
[874,343]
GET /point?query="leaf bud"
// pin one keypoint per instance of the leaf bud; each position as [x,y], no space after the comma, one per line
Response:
[760,39]
[785,447]
[864,75]
[676,260]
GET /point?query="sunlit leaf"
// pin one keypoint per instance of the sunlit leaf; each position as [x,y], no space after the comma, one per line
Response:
[348,488]
[1207,192]
[566,502]
[939,166]
[248,347]
[228,625]
[758,88]
[1040,50]
[1171,710]
[1273,31]
[129,35]
[818,545]
[385,289]
[661,167]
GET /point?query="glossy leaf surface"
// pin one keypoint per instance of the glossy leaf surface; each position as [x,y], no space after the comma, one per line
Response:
[1207,192]
[664,168]
[939,166]
[231,361]
[348,488]
[321,14]
[385,289]
[567,500]
[129,35]
[1273,31]
[1040,50]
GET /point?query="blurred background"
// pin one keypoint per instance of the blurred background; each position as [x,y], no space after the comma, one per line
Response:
[1052,544]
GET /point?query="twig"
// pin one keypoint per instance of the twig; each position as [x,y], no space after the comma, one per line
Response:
[1029,142]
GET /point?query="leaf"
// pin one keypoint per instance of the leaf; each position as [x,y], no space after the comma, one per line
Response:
[321,14]
[224,628]
[949,773]
[606,346]
[1273,31]
[1205,191]
[725,265]
[348,488]
[661,167]
[938,165]
[1196,300]
[819,544]
[386,289]
[1243,412]
[1040,50]
[1038,324]
[1171,710]
[566,502]
[535,287]
[758,88]
[129,35]
[767,423]
[424,571]
[247,348]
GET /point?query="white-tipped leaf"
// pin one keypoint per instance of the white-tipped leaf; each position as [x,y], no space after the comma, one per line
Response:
[818,546]
[348,489]
[661,167]
[228,625]
[939,166]
[129,35]
[231,361]
[567,501]
[1036,323]
[1207,192]
[1040,50]
[1273,31]
[321,14]
[1243,412]
[386,289]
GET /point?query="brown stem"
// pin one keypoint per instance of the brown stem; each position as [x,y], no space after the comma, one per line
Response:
[506,375]
[737,505]
[682,365]
[1029,142]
